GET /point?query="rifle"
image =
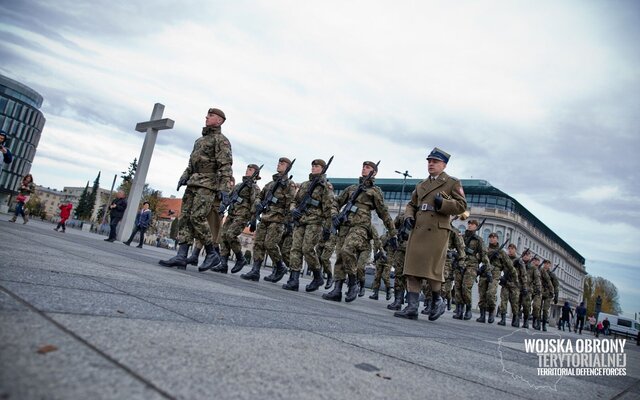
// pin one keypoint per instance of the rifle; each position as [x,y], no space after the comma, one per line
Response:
[307,199]
[235,195]
[555,267]
[263,206]
[342,217]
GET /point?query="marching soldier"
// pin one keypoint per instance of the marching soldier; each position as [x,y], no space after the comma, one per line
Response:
[325,249]
[455,259]
[272,205]
[427,216]
[207,178]
[550,289]
[381,259]
[533,299]
[397,261]
[464,278]
[285,249]
[312,220]
[521,291]
[242,201]
[364,257]
[501,264]
[353,224]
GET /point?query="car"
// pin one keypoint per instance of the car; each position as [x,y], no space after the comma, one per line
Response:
[619,325]
[369,274]
[167,243]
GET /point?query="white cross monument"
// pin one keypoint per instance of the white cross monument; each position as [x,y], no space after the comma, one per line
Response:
[135,194]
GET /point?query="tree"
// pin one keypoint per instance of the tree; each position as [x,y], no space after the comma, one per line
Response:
[81,210]
[155,205]
[127,177]
[91,201]
[595,286]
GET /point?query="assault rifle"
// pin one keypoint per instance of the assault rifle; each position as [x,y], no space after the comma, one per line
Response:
[350,207]
[307,199]
[235,198]
[269,199]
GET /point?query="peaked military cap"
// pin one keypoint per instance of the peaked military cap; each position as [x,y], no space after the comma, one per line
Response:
[371,164]
[319,162]
[255,168]
[217,112]
[439,154]
[285,159]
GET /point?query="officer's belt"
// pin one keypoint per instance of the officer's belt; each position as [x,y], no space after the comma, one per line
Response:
[427,207]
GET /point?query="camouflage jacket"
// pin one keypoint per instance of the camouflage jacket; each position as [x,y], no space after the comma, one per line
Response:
[548,287]
[398,222]
[523,279]
[534,280]
[280,206]
[500,262]
[475,251]
[455,247]
[246,199]
[210,161]
[371,199]
[319,209]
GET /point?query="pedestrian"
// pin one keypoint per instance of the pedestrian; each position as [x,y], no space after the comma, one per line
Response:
[605,325]
[7,157]
[27,187]
[143,220]
[65,213]
[116,212]
[592,324]
[566,314]
[427,216]
[208,179]
[599,328]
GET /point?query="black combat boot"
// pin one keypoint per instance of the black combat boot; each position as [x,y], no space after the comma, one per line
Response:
[329,281]
[269,278]
[535,324]
[212,259]
[336,293]
[448,304]
[374,296]
[515,321]
[398,300]
[281,270]
[437,307]
[316,282]
[457,314]
[411,310]
[254,274]
[293,283]
[467,313]
[388,289]
[503,321]
[525,322]
[427,306]
[482,318]
[352,289]
[361,288]
[224,265]
[490,318]
[240,262]
[544,325]
[193,258]
[180,260]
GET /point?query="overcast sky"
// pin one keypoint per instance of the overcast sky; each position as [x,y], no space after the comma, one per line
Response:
[542,99]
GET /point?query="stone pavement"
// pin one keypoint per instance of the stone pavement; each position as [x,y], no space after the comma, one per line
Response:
[123,327]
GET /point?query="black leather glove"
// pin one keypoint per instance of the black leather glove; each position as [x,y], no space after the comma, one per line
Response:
[502,281]
[288,228]
[182,182]
[524,291]
[224,197]
[326,234]
[555,299]
[336,222]
[489,276]
[393,242]
[253,225]
[438,201]
[259,209]
[377,256]
[296,214]
[409,223]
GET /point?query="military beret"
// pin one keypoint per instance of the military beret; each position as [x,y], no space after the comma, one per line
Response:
[371,164]
[285,159]
[439,154]
[473,221]
[217,112]
[319,162]
[255,168]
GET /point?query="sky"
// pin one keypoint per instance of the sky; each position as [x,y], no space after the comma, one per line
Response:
[541,99]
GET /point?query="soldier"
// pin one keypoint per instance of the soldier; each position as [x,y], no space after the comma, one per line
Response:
[381,259]
[550,289]
[241,202]
[501,264]
[207,178]
[273,204]
[325,250]
[353,224]
[312,220]
[364,257]
[455,260]
[464,278]
[285,248]
[534,291]
[427,216]
[521,291]
[397,261]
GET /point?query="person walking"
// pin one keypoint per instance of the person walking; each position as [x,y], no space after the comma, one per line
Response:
[65,213]
[27,187]
[116,212]
[143,220]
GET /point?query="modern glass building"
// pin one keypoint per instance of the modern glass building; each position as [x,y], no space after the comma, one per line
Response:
[21,118]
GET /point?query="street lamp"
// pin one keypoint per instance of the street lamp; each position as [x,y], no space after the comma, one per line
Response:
[405,174]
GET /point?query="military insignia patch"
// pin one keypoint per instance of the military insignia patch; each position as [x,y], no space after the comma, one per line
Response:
[461,190]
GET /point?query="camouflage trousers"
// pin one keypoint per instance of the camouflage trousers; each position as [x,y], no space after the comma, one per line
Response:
[464,284]
[382,272]
[285,248]
[487,292]
[305,240]
[363,258]
[214,220]
[231,230]
[197,203]
[448,281]
[325,250]
[350,243]
[528,302]
[427,291]
[510,292]
[546,305]
[400,281]
[267,238]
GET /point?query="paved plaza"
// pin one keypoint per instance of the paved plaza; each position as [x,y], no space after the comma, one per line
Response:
[81,318]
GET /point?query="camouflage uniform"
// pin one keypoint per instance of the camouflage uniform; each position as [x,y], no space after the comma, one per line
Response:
[382,266]
[532,298]
[523,283]
[550,288]
[238,217]
[457,255]
[325,250]
[396,258]
[355,233]
[287,241]
[501,264]
[475,252]
[208,172]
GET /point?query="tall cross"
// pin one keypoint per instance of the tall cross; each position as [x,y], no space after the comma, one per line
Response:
[152,127]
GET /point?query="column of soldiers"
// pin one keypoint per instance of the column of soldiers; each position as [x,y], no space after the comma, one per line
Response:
[307,222]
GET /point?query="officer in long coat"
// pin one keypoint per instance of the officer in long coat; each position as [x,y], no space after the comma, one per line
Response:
[427,215]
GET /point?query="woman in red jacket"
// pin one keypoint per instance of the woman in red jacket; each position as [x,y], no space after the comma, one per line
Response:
[65,212]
